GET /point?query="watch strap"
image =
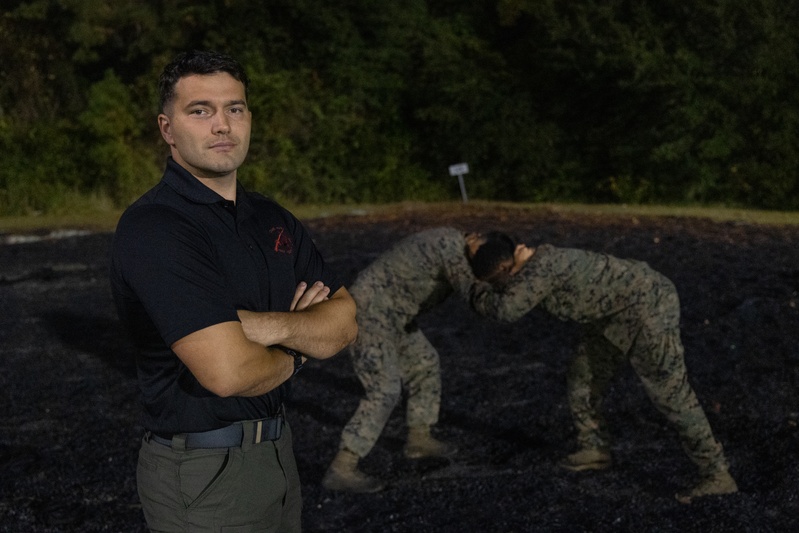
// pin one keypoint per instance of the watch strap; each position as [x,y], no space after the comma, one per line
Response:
[297,359]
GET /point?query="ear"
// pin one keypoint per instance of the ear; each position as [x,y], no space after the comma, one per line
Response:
[165,127]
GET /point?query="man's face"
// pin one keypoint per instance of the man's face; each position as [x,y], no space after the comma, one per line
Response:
[207,125]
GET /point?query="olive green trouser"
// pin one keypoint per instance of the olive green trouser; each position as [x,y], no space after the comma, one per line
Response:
[250,488]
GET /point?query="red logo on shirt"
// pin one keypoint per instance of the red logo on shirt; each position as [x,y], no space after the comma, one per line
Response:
[283,242]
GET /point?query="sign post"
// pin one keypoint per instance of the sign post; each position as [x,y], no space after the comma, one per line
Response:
[459,170]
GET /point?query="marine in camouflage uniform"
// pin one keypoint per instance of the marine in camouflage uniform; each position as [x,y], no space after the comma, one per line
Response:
[628,312]
[392,354]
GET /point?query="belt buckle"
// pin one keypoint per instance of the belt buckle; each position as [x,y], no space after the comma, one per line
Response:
[268,429]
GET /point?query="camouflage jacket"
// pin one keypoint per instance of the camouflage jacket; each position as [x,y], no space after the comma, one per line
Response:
[417,273]
[615,295]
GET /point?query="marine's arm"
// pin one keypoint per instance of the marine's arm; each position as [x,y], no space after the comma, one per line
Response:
[506,306]
[524,290]
[456,265]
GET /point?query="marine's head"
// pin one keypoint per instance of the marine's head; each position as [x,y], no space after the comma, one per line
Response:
[491,256]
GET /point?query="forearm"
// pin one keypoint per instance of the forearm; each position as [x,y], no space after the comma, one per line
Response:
[264,372]
[320,331]
[226,363]
[500,306]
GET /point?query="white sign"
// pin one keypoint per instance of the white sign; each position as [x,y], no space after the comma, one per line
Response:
[459,169]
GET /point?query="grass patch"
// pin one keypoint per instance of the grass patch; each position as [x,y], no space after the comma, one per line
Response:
[96,221]
[719,214]
[106,220]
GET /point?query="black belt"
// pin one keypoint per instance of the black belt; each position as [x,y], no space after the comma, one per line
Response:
[231,436]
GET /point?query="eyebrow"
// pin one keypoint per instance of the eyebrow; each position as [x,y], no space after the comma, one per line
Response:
[208,103]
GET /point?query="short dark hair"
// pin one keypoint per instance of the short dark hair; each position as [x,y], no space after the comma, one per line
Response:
[197,62]
[497,248]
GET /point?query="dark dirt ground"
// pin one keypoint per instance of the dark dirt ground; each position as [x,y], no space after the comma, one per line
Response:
[69,431]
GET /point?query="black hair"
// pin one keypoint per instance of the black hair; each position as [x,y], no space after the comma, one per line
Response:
[497,248]
[197,62]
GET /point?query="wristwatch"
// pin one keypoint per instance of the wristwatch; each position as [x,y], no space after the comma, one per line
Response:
[297,359]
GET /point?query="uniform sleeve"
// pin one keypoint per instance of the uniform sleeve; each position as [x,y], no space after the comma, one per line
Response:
[165,264]
[521,295]
[457,268]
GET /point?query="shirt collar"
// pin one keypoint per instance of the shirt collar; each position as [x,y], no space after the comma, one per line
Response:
[188,186]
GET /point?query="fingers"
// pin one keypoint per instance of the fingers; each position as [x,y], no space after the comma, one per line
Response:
[521,255]
[318,292]
[298,292]
[518,253]
[305,296]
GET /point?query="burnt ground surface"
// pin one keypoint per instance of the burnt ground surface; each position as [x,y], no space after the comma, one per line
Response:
[69,430]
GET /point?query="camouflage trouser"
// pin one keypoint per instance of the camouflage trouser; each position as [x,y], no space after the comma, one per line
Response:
[387,361]
[657,356]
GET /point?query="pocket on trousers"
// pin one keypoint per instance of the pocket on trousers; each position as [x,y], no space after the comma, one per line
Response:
[200,472]
[156,488]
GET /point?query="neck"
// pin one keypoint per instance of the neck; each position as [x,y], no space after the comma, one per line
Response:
[224,187]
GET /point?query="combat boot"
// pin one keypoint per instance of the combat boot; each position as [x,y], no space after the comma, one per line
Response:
[422,444]
[716,483]
[587,459]
[343,474]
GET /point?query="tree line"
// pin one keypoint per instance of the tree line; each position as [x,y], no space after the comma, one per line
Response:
[359,101]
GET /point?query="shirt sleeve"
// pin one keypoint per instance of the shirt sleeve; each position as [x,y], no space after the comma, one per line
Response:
[518,297]
[309,264]
[165,262]
[457,268]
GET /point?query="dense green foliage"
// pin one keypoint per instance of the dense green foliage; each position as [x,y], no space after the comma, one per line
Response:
[359,101]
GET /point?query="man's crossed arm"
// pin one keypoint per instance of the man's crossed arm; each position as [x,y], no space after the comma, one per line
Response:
[241,358]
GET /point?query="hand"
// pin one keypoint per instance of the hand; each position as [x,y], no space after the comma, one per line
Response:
[305,297]
[521,255]
[473,243]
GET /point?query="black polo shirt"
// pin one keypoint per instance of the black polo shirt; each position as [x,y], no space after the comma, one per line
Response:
[184,258]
